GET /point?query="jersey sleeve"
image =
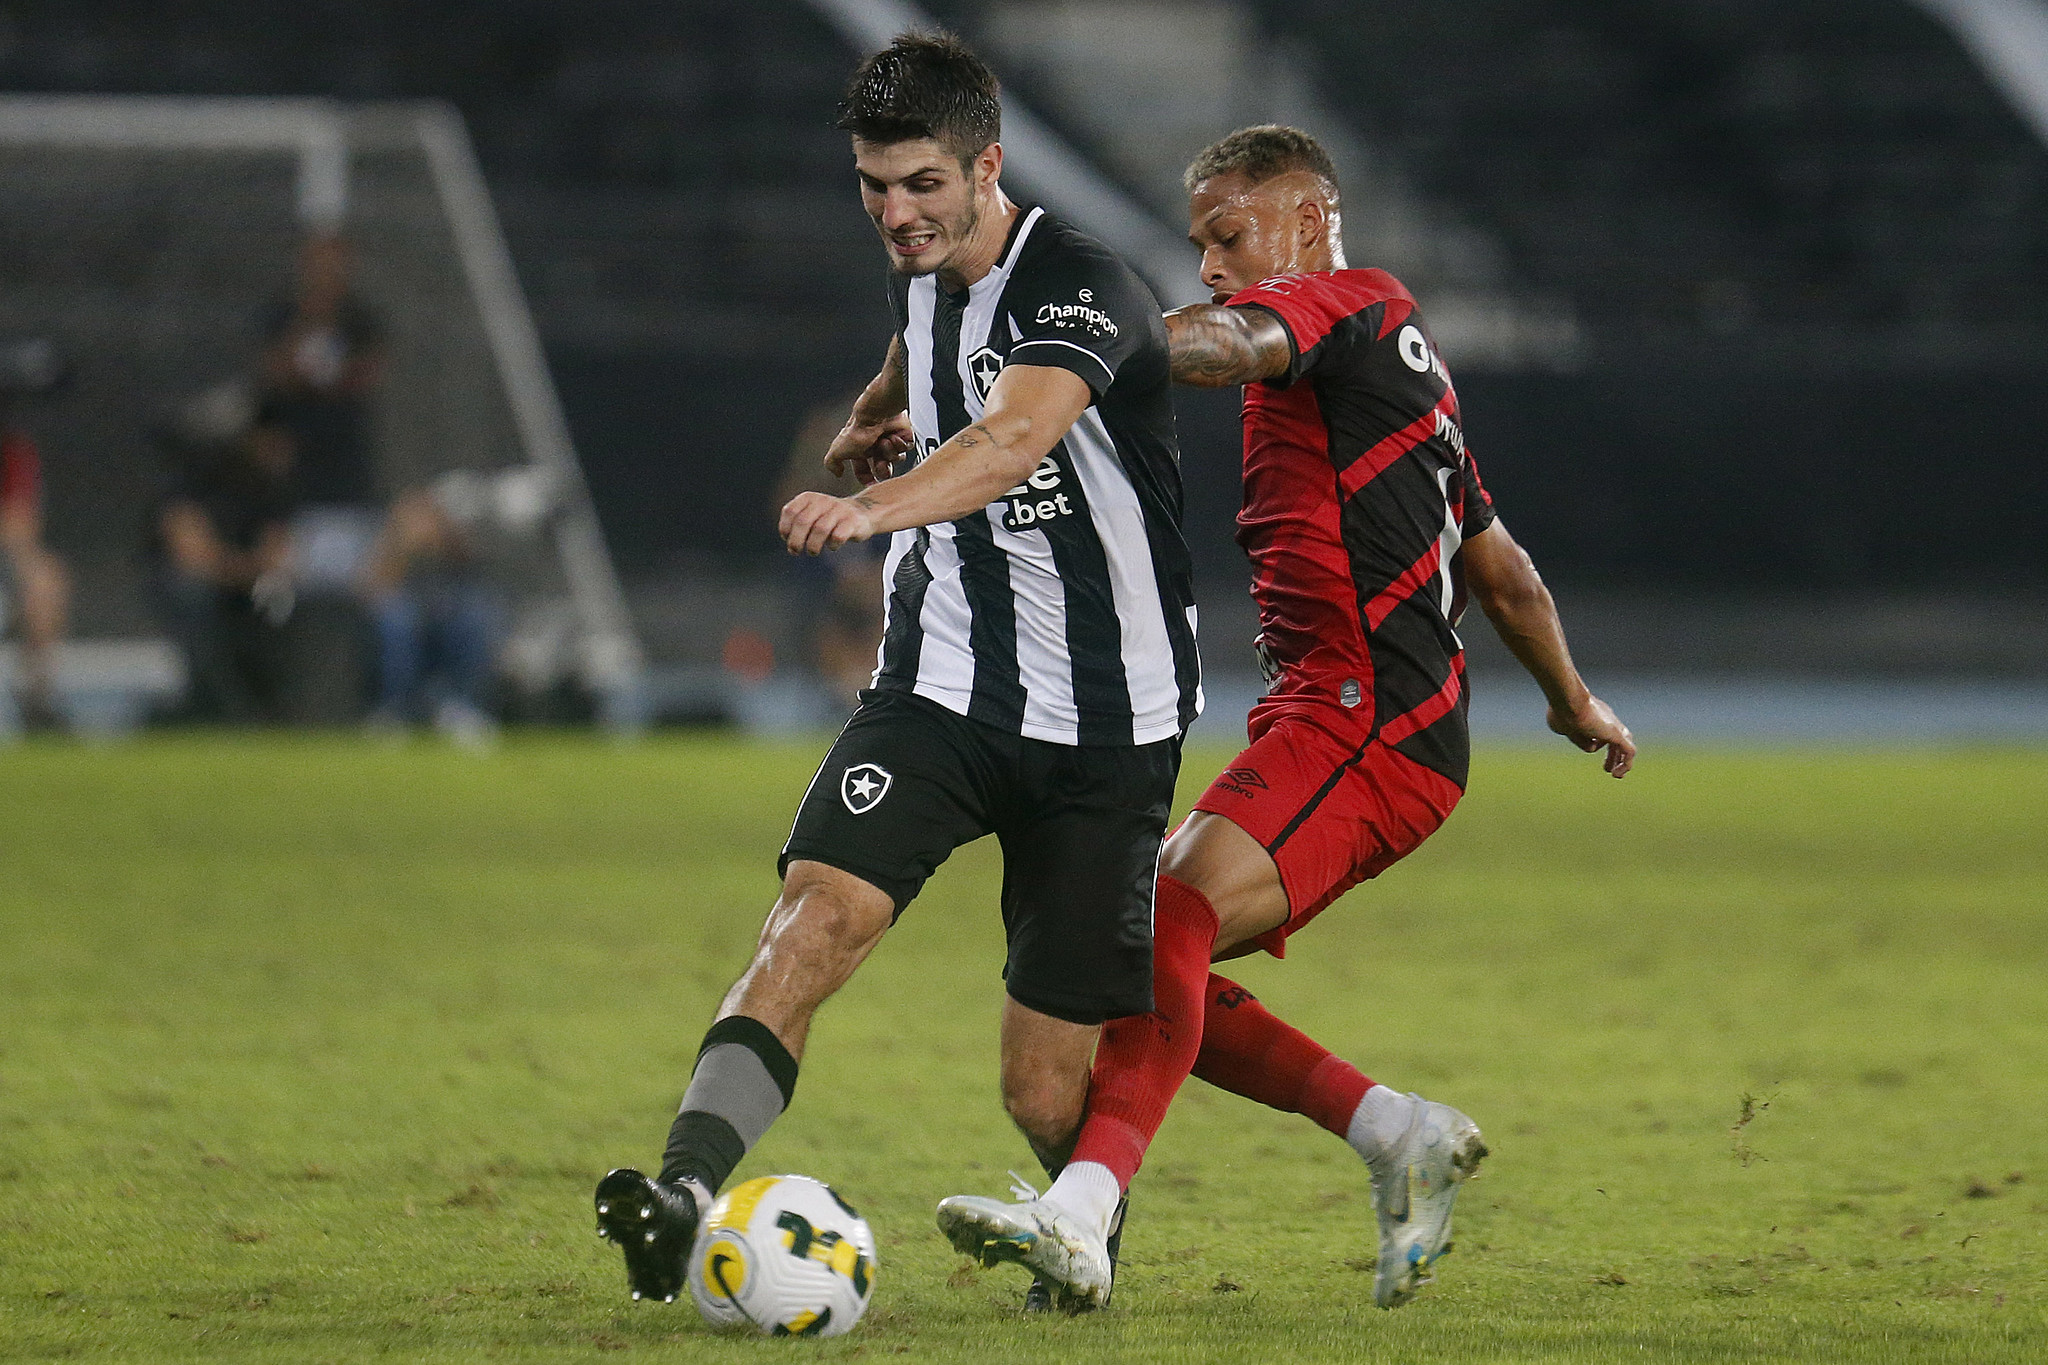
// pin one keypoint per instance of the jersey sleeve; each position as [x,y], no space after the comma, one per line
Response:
[1311,306]
[1081,311]
[1479,513]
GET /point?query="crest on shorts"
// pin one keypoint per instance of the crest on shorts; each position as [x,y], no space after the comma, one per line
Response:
[863,786]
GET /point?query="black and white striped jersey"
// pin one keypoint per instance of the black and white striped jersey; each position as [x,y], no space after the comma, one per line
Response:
[1065,610]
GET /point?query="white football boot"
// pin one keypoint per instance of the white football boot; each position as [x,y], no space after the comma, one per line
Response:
[1413,1188]
[1055,1245]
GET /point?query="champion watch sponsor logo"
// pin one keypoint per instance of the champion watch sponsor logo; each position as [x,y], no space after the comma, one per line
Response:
[863,786]
[1091,320]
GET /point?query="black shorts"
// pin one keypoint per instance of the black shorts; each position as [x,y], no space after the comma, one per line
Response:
[908,781]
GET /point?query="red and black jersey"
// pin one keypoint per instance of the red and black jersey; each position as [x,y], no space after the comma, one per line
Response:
[1357,494]
[21,470]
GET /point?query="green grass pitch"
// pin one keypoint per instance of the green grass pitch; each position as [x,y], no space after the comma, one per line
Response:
[312,1052]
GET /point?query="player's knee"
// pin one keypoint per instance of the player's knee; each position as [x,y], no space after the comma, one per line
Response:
[1045,1106]
[823,905]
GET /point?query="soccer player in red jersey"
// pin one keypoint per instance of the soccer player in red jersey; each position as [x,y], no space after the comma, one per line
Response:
[1367,525]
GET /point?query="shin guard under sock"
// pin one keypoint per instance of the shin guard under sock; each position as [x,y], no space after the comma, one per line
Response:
[743,1081]
[1142,1060]
[1249,1052]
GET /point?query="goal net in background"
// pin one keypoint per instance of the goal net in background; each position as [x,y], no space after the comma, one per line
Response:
[145,237]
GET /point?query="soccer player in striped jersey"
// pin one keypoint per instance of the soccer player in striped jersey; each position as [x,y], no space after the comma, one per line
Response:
[1366,524]
[1038,666]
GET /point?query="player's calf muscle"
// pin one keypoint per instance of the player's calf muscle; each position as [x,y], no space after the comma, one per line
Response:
[1045,1078]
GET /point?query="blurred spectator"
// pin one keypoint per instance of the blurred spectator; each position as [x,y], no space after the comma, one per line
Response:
[32,579]
[323,358]
[222,547]
[439,617]
[837,598]
[33,583]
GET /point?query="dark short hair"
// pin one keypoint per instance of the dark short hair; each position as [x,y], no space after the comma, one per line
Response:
[925,85]
[1260,153]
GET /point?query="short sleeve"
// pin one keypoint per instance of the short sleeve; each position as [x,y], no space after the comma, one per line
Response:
[1311,306]
[1082,311]
[1479,513]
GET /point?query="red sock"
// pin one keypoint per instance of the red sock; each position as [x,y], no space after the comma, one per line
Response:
[1141,1061]
[1248,1052]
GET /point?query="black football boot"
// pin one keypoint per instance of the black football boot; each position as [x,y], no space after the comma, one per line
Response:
[655,1225]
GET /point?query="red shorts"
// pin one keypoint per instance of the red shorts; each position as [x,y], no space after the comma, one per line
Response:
[1331,804]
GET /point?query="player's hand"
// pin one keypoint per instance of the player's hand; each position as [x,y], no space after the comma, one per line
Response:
[813,523]
[870,450]
[1593,726]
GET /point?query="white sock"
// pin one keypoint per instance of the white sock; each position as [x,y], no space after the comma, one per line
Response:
[1088,1190]
[1379,1122]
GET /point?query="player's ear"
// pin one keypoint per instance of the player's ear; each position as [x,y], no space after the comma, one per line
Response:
[1312,223]
[988,166]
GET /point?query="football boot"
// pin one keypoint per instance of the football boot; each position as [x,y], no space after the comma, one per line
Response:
[1038,1298]
[655,1225]
[1413,1188]
[1072,1260]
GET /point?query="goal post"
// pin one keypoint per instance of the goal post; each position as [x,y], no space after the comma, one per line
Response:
[162,218]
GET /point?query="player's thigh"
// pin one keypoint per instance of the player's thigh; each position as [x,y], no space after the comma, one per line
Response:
[1081,842]
[1285,782]
[1380,809]
[905,784]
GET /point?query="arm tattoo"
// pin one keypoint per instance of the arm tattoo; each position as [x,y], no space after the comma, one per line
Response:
[967,439]
[864,501]
[1213,346]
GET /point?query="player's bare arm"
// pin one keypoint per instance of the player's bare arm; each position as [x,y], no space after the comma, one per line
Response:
[1508,589]
[877,433]
[1029,409]
[1214,347]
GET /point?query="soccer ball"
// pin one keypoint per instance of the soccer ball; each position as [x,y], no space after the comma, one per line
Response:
[784,1256]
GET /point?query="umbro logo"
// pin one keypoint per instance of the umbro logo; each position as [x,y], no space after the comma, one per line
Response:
[863,786]
[1241,781]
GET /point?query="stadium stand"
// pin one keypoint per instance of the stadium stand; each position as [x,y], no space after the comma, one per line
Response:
[1805,242]
[1707,164]
[1808,243]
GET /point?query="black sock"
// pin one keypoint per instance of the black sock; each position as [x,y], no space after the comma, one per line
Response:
[742,1083]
